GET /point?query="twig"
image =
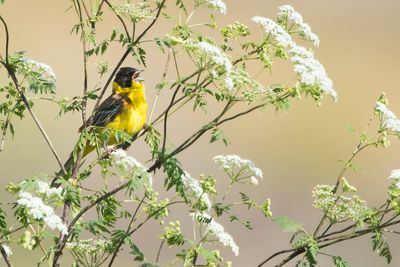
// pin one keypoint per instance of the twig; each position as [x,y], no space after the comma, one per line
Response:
[7,37]
[114,255]
[5,256]
[121,20]
[162,79]
[4,134]
[34,117]
[159,250]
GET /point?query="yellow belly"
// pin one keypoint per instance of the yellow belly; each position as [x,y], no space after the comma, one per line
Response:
[131,120]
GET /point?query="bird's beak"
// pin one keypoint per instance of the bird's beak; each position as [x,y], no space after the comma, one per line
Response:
[136,74]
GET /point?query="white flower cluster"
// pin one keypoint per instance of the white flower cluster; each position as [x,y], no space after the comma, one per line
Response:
[218,5]
[194,186]
[89,246]
[45,70]
[303,28]
[129,168]
[389,118]
[218,231]
[7,250]
[311,71]
[219,58]
[40,211]
[136,12]
[338,208]
[232,163]
[45,189]
[395,175]
[276,31]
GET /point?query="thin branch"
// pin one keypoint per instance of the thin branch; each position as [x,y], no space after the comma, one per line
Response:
[114,255]
[5,256]
[162,80]
[7,37]
[33,115]
[4,134]
[121,20]
[159,250]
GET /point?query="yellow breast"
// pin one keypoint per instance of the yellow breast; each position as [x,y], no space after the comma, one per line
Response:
[133,116]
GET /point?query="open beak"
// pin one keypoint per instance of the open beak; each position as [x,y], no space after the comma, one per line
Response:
[136,74]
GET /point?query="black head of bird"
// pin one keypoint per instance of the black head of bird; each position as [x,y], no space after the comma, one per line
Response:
[125,76]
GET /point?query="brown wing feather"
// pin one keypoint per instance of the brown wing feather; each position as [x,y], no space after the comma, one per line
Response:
[107,111]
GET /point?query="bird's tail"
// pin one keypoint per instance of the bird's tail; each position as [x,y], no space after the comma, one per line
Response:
[67,167]
[69,164]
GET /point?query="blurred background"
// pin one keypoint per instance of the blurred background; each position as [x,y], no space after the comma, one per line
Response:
[296,150]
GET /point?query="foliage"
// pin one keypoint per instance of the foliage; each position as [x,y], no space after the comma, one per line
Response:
[95,223]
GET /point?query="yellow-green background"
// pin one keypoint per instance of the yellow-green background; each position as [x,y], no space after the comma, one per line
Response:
[360,42]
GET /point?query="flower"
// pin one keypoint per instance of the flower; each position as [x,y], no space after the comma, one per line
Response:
[194,186]
[40,211]
[395,174]
[7,250]
[217,230]
[44,188]
[42,68]
[218,5]
[287,11]
[277,32]
[219,58]
[311,71]
[223,237]
[230,163]
[135,11]
[389,118]
[128,167]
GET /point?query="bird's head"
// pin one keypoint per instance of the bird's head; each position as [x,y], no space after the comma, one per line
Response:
[126,79]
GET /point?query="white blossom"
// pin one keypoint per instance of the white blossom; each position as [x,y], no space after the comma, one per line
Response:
[303,28]
[219,58]
[389,118]
[128,167]
[287,10]
[230,163]
[218,5]
[44,69]
[253,180]
[194,186]
[40,211]
[310,70]
[223,237]
[395,174]
[135,11]
[7,250]
[218,231]
[277,32]
[44,188]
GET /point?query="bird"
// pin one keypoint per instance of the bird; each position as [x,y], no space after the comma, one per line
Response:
[124,110]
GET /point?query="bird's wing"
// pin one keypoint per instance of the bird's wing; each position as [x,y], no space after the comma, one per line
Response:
[107,111]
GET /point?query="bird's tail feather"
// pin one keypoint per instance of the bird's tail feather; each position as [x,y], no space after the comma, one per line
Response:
[67,167]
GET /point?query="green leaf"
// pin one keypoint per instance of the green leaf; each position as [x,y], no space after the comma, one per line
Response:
[148,264]
[72,195]
[135,251]
[152,139]
[172,168]
[380,245]
[339,262]
[3,224]
[287,225]
[311,253]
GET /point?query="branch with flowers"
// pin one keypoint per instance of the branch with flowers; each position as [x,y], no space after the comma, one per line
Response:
[94,224]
